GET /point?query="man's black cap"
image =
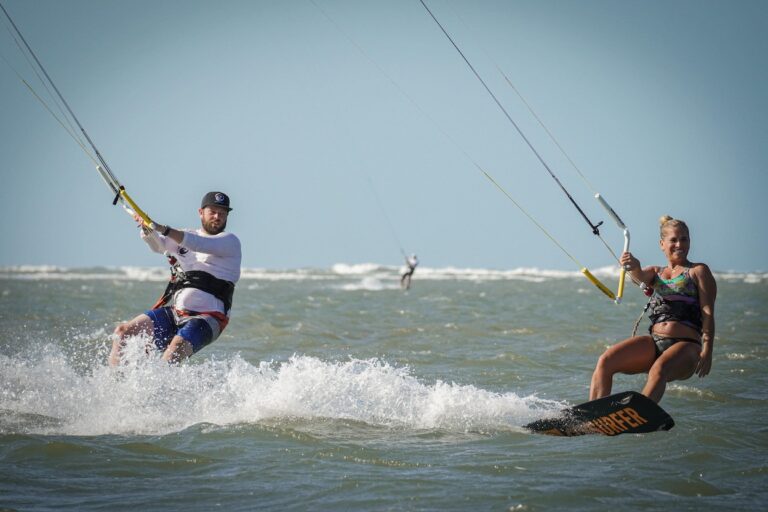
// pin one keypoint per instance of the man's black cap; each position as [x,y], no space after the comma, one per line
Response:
[216,199]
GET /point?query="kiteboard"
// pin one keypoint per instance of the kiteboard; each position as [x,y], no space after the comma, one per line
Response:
[628,412]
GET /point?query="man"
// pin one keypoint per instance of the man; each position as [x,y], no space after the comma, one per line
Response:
[195,306]
[405,280]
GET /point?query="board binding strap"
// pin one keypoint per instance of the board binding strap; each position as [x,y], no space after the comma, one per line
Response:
[628,412]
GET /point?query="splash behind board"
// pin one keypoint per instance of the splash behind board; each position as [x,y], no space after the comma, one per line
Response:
[623,413]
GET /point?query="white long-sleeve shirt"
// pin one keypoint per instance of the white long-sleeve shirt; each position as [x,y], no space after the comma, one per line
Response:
[219,255]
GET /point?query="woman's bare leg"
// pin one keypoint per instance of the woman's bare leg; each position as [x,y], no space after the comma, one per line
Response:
[678,362]
[633,355]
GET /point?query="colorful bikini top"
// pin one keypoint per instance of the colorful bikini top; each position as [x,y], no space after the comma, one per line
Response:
[675,300]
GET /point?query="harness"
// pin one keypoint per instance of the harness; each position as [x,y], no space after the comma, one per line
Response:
[663,310]
[199,279]
[680,304]
[676,300]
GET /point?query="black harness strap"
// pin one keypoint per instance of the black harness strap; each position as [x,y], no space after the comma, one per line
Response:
[201,280]
[662,310]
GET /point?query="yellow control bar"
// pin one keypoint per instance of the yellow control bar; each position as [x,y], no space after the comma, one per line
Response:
[622,272]
[595,281]
[620,293]
[144,217]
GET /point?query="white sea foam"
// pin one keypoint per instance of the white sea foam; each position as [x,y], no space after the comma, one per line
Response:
[145,273]
[684,389]
[340,271]
[34,269]
[748,277]
[369,283]
[302,274]
[148,396]
[45,273]
[345,269]
[479,274]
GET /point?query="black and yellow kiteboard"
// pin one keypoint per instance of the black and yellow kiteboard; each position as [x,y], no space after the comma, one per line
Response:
[623,413]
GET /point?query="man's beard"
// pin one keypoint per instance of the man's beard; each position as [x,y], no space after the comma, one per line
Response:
[211,229]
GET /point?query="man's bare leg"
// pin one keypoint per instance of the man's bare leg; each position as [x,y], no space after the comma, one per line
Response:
[178,349]
[142,324]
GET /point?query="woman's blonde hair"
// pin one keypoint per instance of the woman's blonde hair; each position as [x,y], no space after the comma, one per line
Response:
[666,221]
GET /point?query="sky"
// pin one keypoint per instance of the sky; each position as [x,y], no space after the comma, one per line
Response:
[348,131]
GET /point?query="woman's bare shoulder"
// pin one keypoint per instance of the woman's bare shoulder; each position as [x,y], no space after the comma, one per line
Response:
[701,271]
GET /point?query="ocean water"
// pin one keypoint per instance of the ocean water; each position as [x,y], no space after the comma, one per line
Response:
[334,390]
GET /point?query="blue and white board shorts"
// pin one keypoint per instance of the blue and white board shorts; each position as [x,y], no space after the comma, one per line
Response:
[199,330]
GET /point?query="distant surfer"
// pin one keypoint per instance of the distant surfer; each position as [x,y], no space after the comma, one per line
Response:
[682,313]
[195,307]
[410,262]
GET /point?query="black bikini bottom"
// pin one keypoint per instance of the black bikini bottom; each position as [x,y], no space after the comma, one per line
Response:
[664,342]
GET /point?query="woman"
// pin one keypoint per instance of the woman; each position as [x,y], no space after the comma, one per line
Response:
[682,313]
